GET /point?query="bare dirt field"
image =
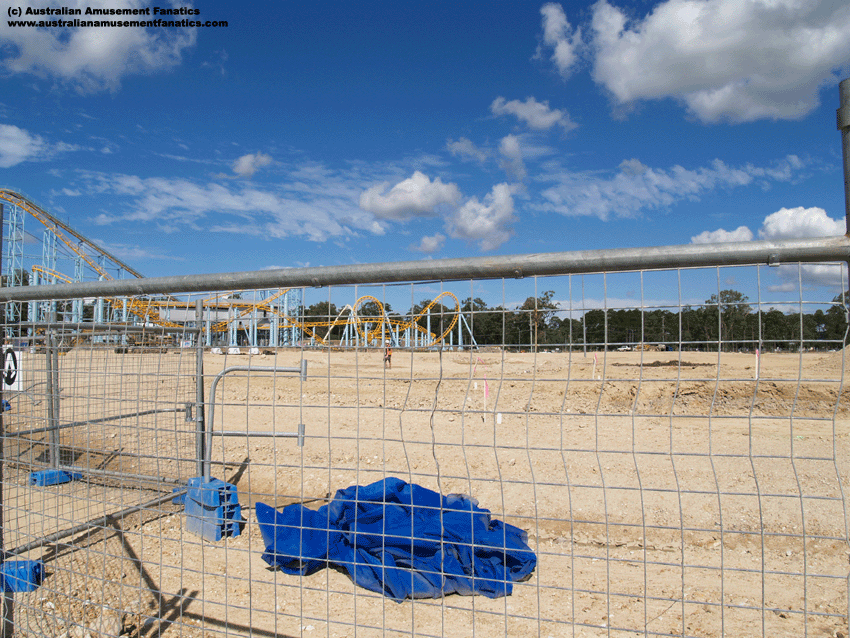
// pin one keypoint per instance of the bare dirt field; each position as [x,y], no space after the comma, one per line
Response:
[664,493]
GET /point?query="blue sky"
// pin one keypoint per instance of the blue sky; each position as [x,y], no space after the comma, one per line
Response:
[337,133]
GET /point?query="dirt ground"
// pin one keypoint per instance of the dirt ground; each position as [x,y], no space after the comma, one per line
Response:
[664,493]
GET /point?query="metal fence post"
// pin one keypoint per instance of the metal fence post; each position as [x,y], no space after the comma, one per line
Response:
[7,624]
[53,400]
[199,389]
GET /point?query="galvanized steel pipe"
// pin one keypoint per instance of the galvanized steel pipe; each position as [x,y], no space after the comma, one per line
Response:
[825,249]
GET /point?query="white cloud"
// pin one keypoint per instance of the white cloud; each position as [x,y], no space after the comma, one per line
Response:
[430,244]
[799,222]
[466,150]
[786,223]
[92,59]
[136,253]
[537,115]
[318,207]
[485,222]
[512,162]
[558,35]
[414,196]
[249,164]
[790,223]
[735,60]
[18,145]
[742,233]
[636,187]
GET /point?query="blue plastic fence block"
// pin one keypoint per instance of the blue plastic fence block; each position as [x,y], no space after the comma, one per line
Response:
[212,509]
[43,478]
[21,575]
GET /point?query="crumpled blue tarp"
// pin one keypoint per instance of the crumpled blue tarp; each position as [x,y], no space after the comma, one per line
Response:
[390,539]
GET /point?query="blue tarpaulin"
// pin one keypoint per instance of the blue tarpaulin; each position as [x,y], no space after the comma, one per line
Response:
[401,540]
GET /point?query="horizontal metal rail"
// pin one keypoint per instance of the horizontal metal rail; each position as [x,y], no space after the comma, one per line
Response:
[101,521]
[90,472]
[103,328]
[823,249]
[208,434]
[106,419]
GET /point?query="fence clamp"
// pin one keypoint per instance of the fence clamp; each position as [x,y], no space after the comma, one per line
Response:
[773,259]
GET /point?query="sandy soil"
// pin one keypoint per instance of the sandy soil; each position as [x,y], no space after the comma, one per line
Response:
[664,493]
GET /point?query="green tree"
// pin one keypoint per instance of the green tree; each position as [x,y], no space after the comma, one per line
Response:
[371,310]
[324,311]
[774,328]
[486,323]
[594,326]
[836,318]
[531,323]
[728,311]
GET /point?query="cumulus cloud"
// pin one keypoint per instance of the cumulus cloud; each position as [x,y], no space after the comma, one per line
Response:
[537,115]
[727,60]
[412,197]
[636,187]
[92,59]
[719,236]
[467,150]
[799,222]
[249,164]
[487,222]
[559,36]
[786,223]
[789,223]
[18,145]
[430,244]
[511,152]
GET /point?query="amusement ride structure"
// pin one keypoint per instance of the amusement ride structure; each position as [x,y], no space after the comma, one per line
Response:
[272,318]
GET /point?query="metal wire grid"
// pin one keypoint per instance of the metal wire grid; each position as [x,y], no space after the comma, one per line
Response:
[673,493]
[118,422]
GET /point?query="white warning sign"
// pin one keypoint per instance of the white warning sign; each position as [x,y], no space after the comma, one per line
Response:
[11,369]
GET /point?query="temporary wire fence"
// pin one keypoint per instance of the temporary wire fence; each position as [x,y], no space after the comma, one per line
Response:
[674,450]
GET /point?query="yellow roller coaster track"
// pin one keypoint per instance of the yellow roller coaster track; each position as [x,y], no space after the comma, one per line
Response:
[348,315]
[148,310]
[53,224]
[144,309]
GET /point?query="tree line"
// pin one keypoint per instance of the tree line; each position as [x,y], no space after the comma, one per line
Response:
[727,319]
